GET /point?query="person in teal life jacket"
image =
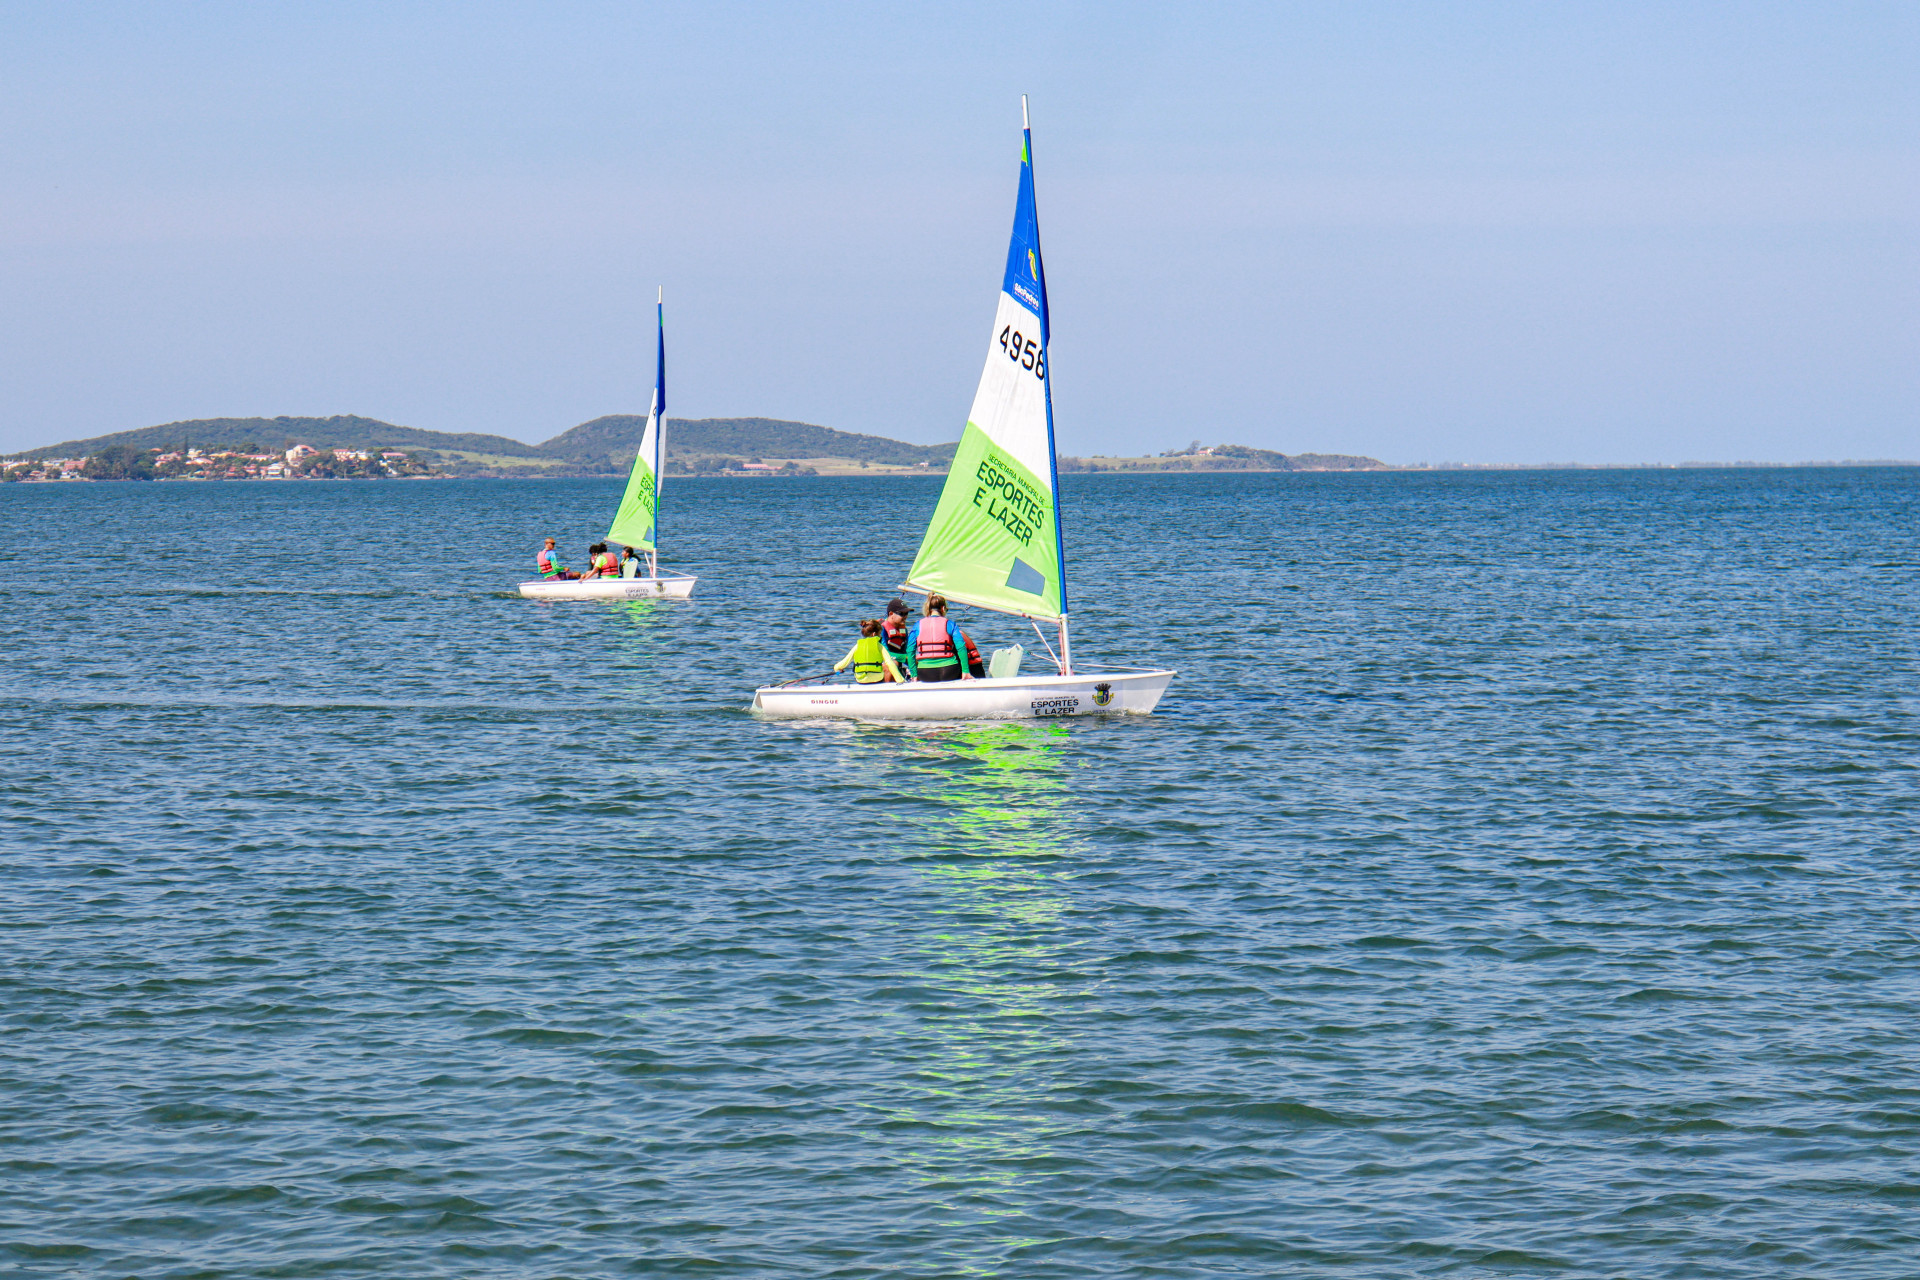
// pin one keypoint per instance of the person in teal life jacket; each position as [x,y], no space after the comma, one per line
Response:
[547,560]
[938,645]
[869,658]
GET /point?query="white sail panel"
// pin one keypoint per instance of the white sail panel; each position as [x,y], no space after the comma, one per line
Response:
[1010,404]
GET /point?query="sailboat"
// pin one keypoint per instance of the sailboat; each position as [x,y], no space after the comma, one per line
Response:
[636,523]
[995,540]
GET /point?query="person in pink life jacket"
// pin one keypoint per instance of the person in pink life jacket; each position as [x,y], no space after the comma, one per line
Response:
[938,645]
[547,560]
[605,563]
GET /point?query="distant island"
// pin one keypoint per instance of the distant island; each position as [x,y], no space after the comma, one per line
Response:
[348,447]
[1226,457]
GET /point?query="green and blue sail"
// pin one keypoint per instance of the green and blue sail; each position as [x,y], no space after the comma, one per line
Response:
[637,522]
[995,538]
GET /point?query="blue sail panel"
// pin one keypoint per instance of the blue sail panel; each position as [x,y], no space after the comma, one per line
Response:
[1026,277]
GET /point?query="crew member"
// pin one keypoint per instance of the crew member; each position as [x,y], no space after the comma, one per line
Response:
[605,563]
[547,560]
[632,564]
[937,645]
[869,658]
[897,637]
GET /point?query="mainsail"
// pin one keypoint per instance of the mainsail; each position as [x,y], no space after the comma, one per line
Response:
[637,523]
[995,537]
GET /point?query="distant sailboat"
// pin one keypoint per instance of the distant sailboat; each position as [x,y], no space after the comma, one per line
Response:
[995,541]
[636,524]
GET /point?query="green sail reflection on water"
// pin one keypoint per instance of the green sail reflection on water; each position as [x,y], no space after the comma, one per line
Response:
[989,820]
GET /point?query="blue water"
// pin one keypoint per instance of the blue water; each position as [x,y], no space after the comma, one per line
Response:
[1520,879]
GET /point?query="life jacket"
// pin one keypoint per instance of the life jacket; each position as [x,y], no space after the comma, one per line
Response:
[548,562]
[869,664]
[607,564]
[895,638]
[631,567]
[933,647]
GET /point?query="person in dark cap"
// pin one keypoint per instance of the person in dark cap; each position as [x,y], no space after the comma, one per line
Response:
[893,636]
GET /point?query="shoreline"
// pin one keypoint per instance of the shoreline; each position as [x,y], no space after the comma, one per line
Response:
[1860,464]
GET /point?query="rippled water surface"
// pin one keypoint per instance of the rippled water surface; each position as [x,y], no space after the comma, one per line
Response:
[1520,879]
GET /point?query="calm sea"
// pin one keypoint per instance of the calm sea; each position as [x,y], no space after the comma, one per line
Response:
[1521,878]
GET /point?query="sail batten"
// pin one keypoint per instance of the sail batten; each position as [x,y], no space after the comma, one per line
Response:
[994,540]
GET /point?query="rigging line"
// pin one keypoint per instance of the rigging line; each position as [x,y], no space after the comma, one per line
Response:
[1043,640]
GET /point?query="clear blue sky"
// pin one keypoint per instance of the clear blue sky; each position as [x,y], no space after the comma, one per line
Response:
[1495,232]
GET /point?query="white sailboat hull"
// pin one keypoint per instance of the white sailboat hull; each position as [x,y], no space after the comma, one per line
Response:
[1095,693]
[672,586]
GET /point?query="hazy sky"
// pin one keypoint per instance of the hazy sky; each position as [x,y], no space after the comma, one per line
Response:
[1426,232]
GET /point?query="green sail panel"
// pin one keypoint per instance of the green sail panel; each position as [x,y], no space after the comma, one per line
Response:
[991,542]
[635,524]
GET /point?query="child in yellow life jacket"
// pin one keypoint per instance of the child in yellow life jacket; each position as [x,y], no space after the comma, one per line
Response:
[870,660]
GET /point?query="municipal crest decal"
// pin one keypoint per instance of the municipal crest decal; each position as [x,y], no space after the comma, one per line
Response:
[1102,694]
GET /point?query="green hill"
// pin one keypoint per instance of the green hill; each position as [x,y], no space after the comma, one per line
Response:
[609,443]
[345,431]
[604,446]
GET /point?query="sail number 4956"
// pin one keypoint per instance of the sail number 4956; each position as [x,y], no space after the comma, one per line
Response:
[1024,351]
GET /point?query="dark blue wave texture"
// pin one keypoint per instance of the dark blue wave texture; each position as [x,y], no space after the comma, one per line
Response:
[1519,879]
